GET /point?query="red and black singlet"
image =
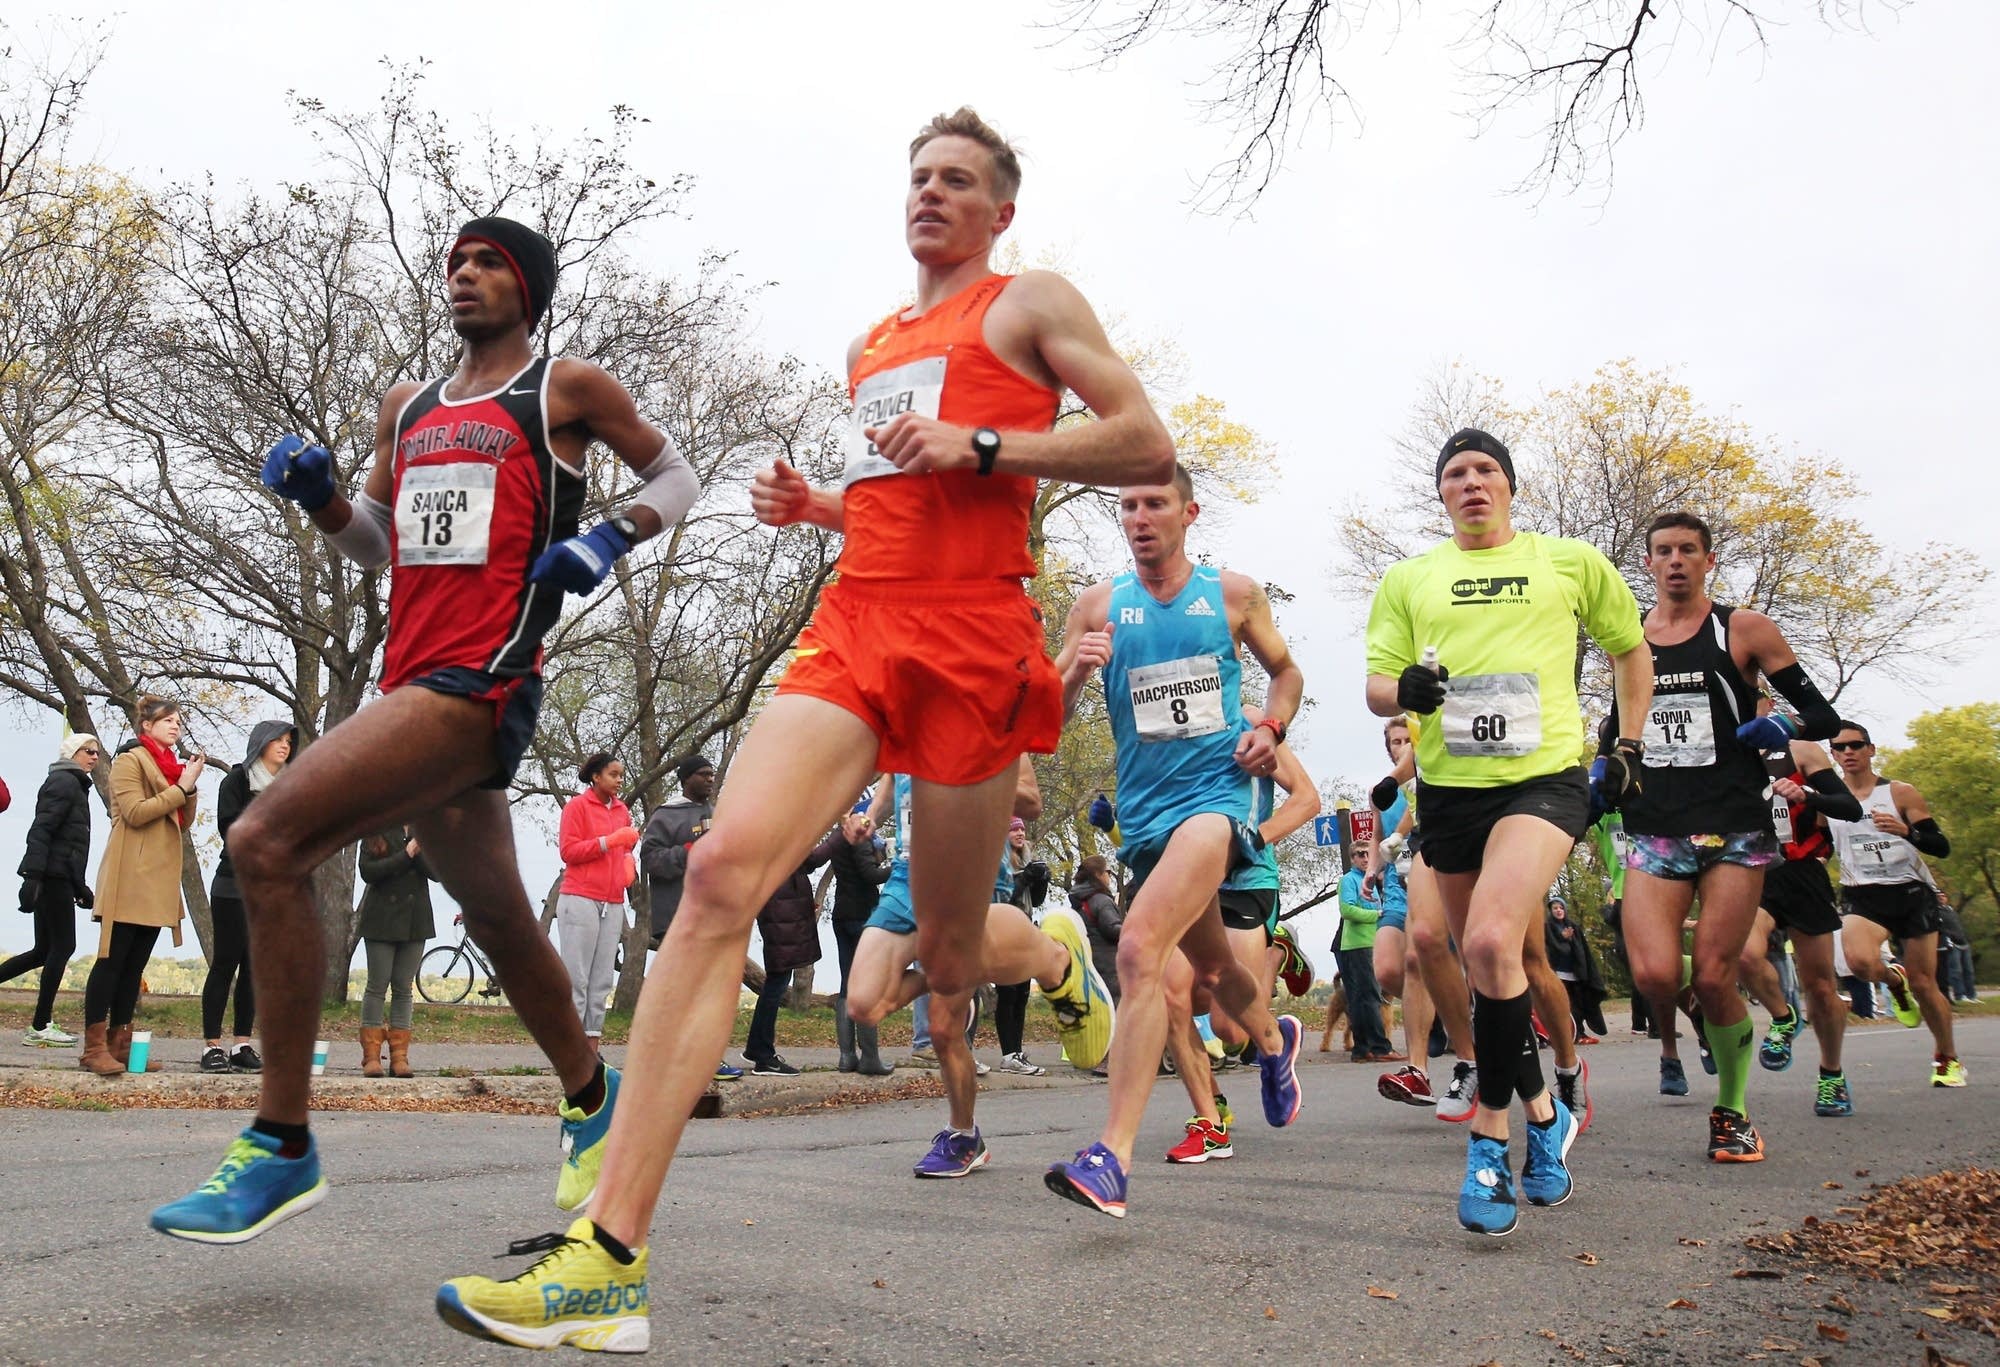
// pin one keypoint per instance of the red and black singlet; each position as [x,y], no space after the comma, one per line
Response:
[477,495]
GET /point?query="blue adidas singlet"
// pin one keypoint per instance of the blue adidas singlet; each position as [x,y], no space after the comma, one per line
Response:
[1174,690]
[1261,875]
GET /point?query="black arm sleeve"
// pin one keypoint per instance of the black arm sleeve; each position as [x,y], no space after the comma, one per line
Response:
[1607,734]
[1829,797]
[1817,719]
[1926,836]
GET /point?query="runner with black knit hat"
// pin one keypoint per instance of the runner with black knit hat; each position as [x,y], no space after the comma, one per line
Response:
[473,500]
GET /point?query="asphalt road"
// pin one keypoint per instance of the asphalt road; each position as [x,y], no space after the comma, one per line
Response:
[805,1239]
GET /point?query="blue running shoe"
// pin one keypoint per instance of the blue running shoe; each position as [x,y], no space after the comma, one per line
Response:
[1545,1178]
[1673,1078]
[727,1072]
[1281,1075]
[583,1139]
[1095,1178]
[953,1154]
[253,1190]
[1833,1098]
[1775,1053]
[1486,1202]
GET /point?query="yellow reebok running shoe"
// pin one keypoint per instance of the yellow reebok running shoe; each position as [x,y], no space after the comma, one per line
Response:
[577,1293]
[1082,1004]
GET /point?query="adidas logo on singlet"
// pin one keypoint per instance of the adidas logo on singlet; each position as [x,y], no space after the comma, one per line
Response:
[1198,608]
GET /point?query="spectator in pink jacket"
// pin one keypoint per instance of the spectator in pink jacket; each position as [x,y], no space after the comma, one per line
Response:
[596,839]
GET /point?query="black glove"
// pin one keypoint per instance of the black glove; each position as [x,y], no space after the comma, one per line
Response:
[31,895]
[85,898]
[1383,794]
[1615,778]
[1421,690]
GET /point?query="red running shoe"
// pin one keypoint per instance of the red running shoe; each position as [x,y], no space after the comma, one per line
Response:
[1409,1085]
[1205,1140]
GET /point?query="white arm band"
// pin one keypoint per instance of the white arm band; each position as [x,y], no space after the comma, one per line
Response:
[670,487]
[365,538]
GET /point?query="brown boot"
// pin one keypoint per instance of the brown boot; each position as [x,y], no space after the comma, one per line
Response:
[399,1054]
[121,1049]
[371,1050]
[96,1056]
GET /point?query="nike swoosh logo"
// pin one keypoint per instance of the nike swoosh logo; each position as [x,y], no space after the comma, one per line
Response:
[524,391]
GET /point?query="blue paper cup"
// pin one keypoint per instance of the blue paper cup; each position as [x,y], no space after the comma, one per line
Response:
[319,1057]
[142,1049]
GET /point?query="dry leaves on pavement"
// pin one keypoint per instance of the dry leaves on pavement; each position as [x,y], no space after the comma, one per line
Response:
[1946,1222]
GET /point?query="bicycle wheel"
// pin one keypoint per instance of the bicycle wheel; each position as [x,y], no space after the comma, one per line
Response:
[444,975]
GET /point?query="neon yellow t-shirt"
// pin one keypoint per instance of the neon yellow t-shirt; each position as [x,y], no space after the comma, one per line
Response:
[1504,623]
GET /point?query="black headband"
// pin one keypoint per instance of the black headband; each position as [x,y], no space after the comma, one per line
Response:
[1472,439]
[531,255]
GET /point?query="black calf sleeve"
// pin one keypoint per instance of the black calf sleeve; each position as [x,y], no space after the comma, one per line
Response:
[1503,1043]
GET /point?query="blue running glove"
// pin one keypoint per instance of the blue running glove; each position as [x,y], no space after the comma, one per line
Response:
[1774,732]
[579,564]
[301,473]
[1100,813]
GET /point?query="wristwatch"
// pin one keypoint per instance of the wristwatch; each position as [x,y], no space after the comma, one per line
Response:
[625,527]
[986,444]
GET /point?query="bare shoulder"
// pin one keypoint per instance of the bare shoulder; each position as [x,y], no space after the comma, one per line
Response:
[1092,608]
[1045,294]
[398,398]
[1902,794]
[854,349]
[577,381]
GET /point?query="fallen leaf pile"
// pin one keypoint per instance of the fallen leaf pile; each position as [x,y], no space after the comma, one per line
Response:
[1945,1226]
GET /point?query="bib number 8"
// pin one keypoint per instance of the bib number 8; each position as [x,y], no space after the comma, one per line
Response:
[1177,709]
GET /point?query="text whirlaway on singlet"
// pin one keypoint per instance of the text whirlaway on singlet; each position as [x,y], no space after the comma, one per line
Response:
[477,496]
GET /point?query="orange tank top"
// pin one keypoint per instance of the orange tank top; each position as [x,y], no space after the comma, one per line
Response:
[956,524]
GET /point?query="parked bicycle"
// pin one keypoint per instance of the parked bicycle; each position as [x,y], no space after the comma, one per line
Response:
[446,973]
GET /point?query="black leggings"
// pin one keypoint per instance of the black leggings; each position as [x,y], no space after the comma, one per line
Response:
[229,957]
[55,943]
[113,988]
[1010,1015]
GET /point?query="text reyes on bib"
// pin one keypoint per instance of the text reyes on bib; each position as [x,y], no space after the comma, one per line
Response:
[1493,716]
[1177,699]
[917,387]
[444,513]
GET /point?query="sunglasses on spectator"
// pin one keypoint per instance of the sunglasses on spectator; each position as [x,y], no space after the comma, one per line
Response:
[1848,744]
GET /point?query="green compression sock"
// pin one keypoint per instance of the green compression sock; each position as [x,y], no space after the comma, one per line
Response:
[1732,1047]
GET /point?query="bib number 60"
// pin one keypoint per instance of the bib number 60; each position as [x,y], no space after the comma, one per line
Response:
[1489,727]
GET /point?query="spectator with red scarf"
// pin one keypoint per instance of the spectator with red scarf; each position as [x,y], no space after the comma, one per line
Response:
[139,882]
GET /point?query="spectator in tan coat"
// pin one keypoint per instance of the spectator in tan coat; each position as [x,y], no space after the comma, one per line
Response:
[139,882]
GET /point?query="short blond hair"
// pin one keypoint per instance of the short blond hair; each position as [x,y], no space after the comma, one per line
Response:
[965,122]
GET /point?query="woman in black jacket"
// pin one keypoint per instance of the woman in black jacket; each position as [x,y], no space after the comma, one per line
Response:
[1094,901]
[269,747]
[54,882]
[395,924]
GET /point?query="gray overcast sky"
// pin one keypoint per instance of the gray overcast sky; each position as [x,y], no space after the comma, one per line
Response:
[1804,234]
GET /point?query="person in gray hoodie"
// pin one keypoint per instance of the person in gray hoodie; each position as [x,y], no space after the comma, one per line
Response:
[670,833]
[269,748]
[55,881]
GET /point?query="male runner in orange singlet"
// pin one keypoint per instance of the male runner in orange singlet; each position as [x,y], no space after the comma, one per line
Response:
[925,658]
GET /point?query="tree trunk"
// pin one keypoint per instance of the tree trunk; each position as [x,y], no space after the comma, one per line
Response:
[195,893]
[799,996]
[339,918]
[633,976]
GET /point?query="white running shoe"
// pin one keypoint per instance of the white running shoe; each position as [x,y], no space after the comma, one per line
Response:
[50,1036]
[1018,1063]
[1457,1102]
